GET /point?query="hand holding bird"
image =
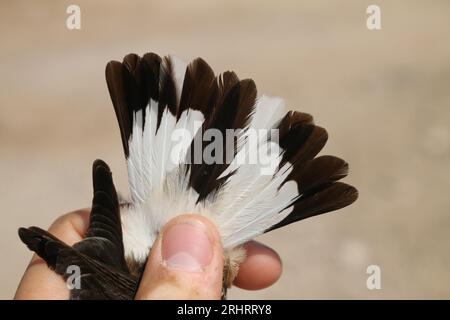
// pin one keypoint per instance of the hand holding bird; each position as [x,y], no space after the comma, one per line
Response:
[260,269]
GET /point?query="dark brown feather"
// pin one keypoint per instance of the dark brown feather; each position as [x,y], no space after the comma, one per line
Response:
[131,85]
[234,113]
[167,90]
[198,88]
[330,197]
[115,80]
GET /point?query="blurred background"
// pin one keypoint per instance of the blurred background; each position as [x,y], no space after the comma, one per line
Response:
[383,95]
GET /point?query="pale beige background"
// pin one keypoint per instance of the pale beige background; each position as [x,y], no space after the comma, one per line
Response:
[384,97]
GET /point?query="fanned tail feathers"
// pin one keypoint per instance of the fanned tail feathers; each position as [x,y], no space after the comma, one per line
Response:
[243,198]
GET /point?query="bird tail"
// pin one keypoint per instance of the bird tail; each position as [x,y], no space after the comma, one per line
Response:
[157,99]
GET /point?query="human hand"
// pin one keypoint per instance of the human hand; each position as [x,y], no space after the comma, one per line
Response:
[169,273]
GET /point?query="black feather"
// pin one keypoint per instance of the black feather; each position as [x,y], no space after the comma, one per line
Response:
[131,85]
[234,113]
[332,196]
[198,88]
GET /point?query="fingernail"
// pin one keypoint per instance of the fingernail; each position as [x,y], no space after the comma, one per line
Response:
[186,246]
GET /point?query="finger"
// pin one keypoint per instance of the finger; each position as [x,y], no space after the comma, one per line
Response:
[261,268]
[38,281]
[186,262]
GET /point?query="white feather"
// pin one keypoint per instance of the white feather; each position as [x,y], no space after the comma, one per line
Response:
[268,111]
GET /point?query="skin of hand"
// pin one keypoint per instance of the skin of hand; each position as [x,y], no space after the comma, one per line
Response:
[185,262]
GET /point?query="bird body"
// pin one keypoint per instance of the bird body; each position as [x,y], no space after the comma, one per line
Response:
[196,143]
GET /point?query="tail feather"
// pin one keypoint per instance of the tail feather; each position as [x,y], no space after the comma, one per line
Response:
[199,88]
[332,197]
[234,113]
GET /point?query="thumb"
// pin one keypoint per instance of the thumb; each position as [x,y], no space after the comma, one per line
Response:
[186,261]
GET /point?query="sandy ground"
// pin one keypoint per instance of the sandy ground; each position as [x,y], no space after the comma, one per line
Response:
[384,97]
